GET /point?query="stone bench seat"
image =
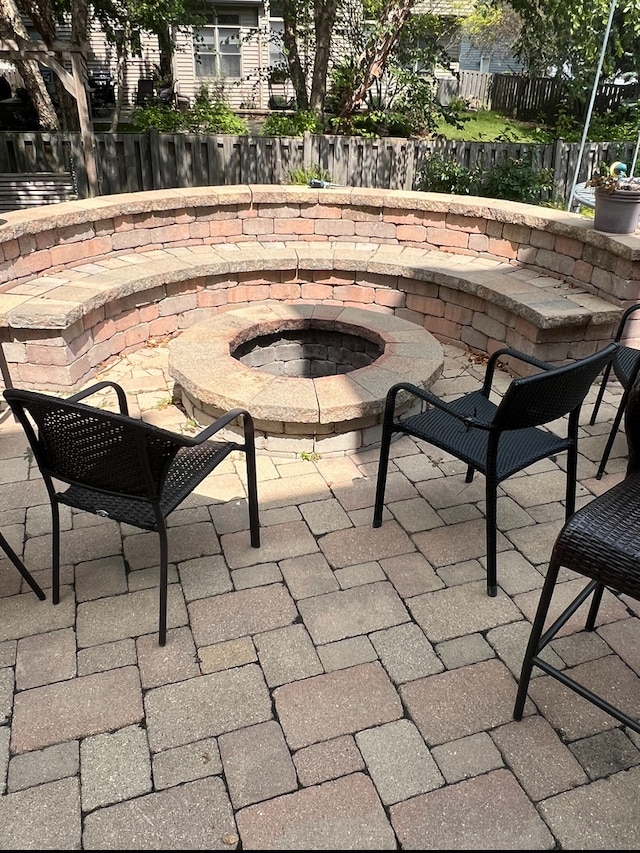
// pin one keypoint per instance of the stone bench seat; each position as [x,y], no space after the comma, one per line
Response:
[58,300]
[82,282]
[69,301]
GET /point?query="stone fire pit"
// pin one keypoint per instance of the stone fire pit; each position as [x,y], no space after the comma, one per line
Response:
[314,377]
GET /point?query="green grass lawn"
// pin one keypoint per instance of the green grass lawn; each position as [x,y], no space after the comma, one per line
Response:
[487,126]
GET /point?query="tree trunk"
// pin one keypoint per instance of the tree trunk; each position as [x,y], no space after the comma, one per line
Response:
[325,18]
[11,25]
[290,42]
[165,47]
[374,57]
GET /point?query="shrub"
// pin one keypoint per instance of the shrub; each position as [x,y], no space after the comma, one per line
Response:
[157,117]
[415,113]
[513,179]
[292,125]
[210,113]
[440,174]
[619,125]
[341,82]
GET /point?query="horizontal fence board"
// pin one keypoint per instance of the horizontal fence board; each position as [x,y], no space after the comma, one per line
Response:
[132,162]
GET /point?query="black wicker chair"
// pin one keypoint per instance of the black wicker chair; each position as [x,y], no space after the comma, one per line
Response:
[625,365]
[17,562]
[120,467]
[600,542]
[498,440]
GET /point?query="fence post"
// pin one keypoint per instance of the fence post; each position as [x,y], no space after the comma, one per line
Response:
[307,149]
[560,152]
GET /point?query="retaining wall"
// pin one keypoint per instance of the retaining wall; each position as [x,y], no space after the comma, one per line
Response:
[83,281]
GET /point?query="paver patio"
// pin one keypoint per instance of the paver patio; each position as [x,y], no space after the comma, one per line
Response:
[341,687]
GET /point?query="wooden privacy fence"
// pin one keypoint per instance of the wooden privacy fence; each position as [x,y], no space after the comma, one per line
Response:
[536,98]
[130,162]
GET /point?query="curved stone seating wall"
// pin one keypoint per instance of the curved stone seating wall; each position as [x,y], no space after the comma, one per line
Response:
[83,281]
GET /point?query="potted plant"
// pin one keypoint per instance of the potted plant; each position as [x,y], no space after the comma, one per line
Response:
[617,200]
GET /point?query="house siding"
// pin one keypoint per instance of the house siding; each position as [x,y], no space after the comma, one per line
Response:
[102,57]
[251,90]
[471,59]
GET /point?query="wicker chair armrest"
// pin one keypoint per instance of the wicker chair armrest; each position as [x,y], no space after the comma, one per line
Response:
[521,356]
[623,320]
[495,357]
[430,398]
[93,389]
[220,423]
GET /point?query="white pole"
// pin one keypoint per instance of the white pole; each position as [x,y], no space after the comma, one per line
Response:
[635,157]
[591,103]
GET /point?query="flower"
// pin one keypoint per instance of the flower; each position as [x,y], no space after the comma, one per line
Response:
[610,181]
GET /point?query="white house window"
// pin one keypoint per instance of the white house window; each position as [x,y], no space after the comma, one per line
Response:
[218,44]
[277,58]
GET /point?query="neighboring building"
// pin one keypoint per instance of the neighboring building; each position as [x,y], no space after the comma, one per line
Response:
[466,56]
[232,45]
[240,42]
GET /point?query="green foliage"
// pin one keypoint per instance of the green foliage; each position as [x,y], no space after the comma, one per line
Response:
[210,113]
[157,117]
[457,104]
[569,35]
[310,456]
[415,112]
[400,97]
[440,174]
[612,126]
[304,175]
[340,85]
[371,8]
[514,179]
[419,110]
[366,125]
[292,125]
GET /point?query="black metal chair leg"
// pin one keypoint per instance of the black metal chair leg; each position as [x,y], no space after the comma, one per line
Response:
[603,385]
[164,582]
[533,646]
[55,552]
[572,480]
[381,485]
[17,562]
[492,535]
[615,426]
[4,368]
[595,606]
[252,491]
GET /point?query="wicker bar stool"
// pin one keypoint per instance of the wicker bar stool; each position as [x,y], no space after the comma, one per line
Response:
[625,366]
[600,541]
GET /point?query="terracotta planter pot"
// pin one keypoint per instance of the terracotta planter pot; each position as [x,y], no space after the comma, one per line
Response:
[617,212]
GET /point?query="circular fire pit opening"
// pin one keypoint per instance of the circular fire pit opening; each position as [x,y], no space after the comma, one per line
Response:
[308,353]
[313,377]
